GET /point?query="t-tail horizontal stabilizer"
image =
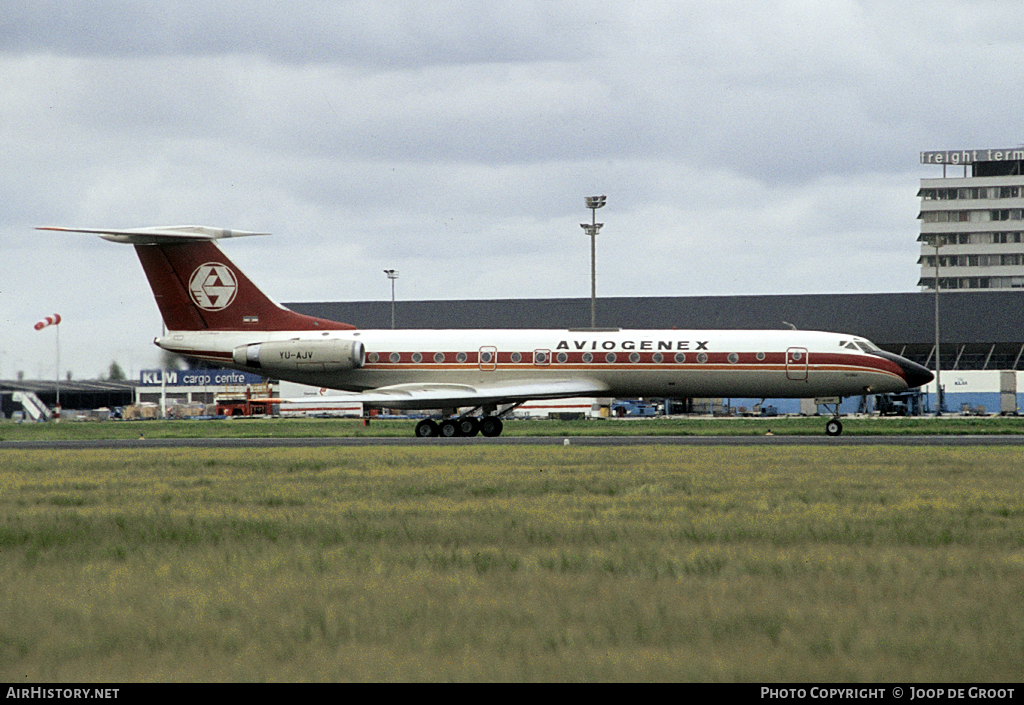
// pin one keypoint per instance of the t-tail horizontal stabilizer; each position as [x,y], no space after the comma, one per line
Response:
[159,235]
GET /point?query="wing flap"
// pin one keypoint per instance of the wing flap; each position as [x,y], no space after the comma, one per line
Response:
[440,395]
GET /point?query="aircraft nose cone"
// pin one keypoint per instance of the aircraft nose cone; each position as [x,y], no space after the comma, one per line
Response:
[916,375]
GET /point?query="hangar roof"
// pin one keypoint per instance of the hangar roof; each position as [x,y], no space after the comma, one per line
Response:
[982,328]
[88,386]
[996,316]
[74,394]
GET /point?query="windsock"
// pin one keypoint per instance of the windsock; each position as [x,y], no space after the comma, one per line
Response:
[48,321]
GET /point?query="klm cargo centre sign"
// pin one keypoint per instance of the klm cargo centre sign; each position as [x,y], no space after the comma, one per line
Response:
[197,378]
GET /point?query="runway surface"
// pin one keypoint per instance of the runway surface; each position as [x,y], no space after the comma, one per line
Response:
[588,441]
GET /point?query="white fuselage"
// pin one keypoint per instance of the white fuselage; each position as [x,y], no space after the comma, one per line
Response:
[649,363]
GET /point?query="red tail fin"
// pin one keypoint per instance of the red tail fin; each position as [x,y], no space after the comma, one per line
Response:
[198,288]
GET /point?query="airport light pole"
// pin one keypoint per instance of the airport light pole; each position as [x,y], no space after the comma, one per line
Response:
[591,228]
[392,275]
[938,385]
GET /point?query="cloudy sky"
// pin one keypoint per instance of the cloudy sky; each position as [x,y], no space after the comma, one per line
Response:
[745,148]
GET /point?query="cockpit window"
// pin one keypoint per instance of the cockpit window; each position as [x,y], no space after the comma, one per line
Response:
[867,346]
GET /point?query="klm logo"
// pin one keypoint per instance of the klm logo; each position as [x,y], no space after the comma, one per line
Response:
[159,376]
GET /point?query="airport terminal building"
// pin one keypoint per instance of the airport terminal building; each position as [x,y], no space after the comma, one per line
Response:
[972,220]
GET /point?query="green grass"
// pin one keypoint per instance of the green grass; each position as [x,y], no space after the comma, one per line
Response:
[298,428]
[498,563]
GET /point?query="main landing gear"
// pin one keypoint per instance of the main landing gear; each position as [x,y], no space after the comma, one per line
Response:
[467,426]
[489,425]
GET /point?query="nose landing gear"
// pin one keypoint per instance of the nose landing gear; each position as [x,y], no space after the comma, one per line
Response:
[834,427]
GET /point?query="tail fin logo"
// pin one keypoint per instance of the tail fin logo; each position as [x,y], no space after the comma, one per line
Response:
[213,286]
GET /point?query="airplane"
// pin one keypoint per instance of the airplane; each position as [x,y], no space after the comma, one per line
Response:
[214,312]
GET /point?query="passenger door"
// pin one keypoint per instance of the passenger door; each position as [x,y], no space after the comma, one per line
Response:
[796,364]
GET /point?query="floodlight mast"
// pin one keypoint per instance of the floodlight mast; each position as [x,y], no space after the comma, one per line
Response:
[392,275]
[591,228]
[938,384]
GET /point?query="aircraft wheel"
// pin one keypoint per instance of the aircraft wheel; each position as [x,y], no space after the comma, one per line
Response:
[834,427]
[491,426]
[450,428]
[426,428]
[469,426]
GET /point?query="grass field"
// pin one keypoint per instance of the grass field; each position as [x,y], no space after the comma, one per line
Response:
[512,563]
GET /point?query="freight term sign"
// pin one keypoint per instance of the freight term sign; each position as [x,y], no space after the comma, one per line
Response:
[197,378]
[969,156]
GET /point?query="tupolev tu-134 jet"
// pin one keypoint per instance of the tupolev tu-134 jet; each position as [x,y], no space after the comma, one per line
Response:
[214,312]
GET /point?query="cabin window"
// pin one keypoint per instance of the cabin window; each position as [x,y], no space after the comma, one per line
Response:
[417,357]
[680,357]
[461,357]
[562,357]
[517,357]
[394,357]
[760,357]
[733,358]
[372,357]
[634,357]
[658,357]
[610,357]
[439,357]
[702,358]
[588,357]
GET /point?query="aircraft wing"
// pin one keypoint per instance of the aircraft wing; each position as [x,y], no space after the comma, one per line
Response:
[442,395]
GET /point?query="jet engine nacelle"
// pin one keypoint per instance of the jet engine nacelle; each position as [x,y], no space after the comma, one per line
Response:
[302,355]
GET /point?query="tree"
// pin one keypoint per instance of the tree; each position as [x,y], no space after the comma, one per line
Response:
[174,361]
[116,374]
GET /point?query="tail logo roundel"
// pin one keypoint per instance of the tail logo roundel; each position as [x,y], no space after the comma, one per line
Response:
[213,286]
